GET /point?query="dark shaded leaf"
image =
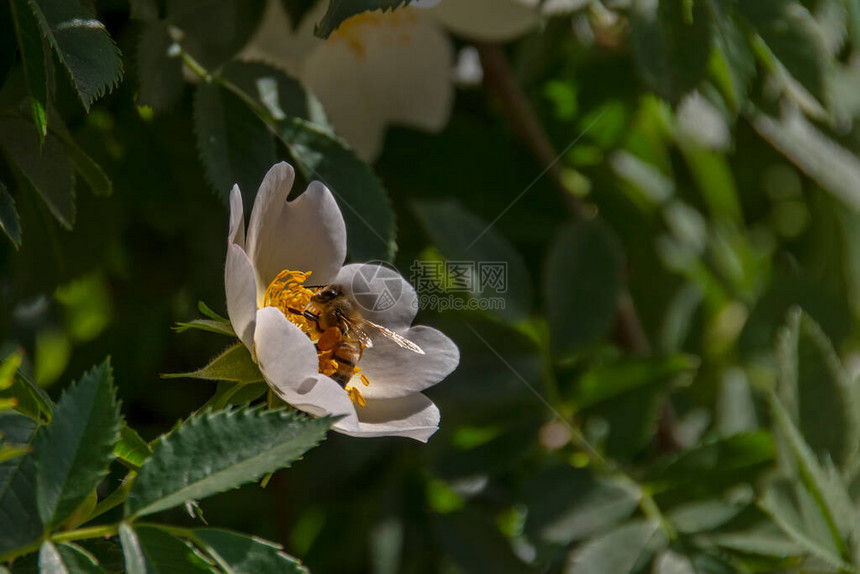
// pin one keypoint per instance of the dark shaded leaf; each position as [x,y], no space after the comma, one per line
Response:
[476,544]
[215,30]
[20,525]
[736,68]
[241,554]
[621,551]
[582,285]
[159,68]
[9,221]
[568,504]
[235,145]
[32,49]
[74,451]
[463,237]
[214,452]
[47,170]
[610,381]
[671,45]
[791,33]
[82,45]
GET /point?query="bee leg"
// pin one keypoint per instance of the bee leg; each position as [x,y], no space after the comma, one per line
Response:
[329,339]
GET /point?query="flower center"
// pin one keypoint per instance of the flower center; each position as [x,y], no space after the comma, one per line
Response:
[287,293]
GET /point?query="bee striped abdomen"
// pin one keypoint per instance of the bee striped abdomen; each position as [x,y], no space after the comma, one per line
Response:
[347,352]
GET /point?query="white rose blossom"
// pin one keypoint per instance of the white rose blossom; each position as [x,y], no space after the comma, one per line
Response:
[266,269]
[379,69]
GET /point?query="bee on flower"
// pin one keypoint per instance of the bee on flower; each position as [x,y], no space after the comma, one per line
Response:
[293,303]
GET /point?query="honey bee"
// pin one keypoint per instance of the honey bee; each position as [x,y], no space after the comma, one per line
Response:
[345,332]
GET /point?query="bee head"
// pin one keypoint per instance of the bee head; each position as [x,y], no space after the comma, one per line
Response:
[327,294]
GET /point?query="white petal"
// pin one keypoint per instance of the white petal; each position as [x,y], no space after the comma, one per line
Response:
[493,20]
[414,416]
[382,294]
[240,285]
[306,234]
[288,361]
[237,218]
[397,372]
[379,69]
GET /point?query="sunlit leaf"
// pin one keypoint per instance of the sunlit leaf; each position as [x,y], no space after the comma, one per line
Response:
[29,399]
[150,550]
[237,553]
[74,451]
[131,450]
[66,559]
[235,364]
[213,452]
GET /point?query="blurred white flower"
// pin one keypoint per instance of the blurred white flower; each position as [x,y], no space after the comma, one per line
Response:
[308,235]
[380,69]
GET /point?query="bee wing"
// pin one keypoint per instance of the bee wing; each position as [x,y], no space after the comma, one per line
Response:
[355,328]
[392,336]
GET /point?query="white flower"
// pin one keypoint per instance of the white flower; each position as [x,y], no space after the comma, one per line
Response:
[308,235]
[388,68]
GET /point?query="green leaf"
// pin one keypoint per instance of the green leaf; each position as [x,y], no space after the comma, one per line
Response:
[74,451]
[227,393]
[239,554]
[150,550]
[568,504]
[280,94]
[725,461]
[369,217]
[213,452]
[235,364]
[206,310]
[87,168]
[792,35]
[733,62]
[610,381]
[32,49]
[143,9]
[131,450]
[208,325]
[235,145]
[582,285]
[9,220]
[832,166]
[82,45]
[476,544]
[671,50]
[20,525]
[463,237]
[824,486]
[66,559]
[341,10]
[817,391]
[47,169]
[31,400]
[215,30]
[159,68]
[15,433]
[620,551]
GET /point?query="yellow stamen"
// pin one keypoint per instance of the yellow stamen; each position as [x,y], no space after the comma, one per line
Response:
[287,293]
[355,396]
